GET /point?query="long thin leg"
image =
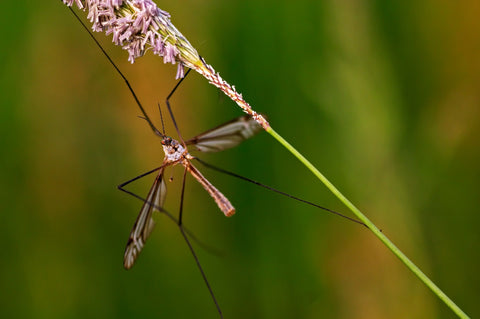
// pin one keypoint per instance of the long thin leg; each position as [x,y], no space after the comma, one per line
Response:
[120,187]
[167,101]
[121,74]
[221,170]
[201,271]
[204,246]
[191,248]
[180,213]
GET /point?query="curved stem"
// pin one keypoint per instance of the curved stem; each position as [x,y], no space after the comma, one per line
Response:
[377,232]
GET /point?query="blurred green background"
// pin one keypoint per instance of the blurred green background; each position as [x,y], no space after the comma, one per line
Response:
[383,97]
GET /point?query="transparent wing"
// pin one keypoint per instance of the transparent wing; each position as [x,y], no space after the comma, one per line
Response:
[226,135]
[144,224]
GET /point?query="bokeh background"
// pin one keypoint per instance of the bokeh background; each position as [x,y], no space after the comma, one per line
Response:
[382,96]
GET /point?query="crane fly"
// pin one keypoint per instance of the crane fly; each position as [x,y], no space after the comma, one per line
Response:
[220,138]
[225,136]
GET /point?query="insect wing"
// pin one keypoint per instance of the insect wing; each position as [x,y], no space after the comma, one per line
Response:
[227,135]
[144,224]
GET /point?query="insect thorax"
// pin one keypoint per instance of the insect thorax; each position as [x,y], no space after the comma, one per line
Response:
[174,151]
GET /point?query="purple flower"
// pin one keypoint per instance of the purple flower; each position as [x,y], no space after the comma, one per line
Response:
[139,25]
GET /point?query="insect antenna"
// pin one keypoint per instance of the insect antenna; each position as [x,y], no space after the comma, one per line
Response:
[155,130]
[161,118]
[221,170]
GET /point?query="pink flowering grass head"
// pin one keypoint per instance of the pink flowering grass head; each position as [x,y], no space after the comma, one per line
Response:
[139,25]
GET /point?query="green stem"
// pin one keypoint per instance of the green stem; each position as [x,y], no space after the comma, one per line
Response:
[437,291]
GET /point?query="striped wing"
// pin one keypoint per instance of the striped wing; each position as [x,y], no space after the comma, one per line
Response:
[226,136]
[144,224]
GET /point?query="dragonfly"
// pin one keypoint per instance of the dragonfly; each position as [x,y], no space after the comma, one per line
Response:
[220,138]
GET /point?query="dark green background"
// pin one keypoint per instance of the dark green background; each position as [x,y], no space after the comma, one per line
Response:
[383,97]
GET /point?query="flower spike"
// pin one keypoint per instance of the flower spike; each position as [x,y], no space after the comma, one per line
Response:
[139,25]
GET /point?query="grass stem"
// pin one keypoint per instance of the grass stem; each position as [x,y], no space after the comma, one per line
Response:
[377,232]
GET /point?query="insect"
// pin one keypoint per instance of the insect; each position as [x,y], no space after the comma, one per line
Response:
[220,138]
